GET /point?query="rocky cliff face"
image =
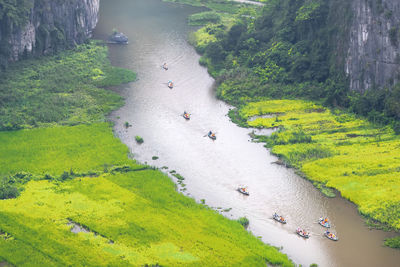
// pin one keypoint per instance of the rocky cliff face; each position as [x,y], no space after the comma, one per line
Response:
[50,25]
[373,58]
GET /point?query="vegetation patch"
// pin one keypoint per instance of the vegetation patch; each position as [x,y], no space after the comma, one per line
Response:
[393,242]
[243,221]
[139,139]
[35,94]
[140,211]
[336,150]
[204,18]
[55,150]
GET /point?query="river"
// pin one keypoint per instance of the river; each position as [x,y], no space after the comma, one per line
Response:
[213,169]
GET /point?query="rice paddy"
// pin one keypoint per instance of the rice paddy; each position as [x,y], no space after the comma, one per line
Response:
[336,150]
[135,218]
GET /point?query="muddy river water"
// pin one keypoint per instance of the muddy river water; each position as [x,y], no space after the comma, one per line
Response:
[158,33]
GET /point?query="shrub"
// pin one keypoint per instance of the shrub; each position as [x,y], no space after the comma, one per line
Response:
[393,242]
[243,221]
[8,191]
[139,139]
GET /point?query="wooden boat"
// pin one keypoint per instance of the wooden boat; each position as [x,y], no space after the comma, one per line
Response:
[243,190]
[278,218]
[331,236]
[212,136]
[170,85]
[324,224]
[302,233]
[186,115]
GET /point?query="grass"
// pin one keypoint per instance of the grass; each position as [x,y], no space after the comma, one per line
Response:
[336,150]
[223,6]
[140,211]
[204,17]
[33,93]
[53,150]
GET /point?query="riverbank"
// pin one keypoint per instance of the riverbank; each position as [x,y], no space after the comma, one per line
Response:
[332,148]
[72,196]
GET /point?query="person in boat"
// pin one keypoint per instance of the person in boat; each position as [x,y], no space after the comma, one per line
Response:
[325,221]
[281,218]
[213,134]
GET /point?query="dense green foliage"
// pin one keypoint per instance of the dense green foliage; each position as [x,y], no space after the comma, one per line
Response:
[60,89]
[294,49]
[393,242]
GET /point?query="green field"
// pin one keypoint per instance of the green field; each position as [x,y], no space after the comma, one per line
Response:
[53,150]
[33,93]
[138,216]
[337,150]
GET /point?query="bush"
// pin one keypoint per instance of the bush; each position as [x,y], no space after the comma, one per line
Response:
[393,242]
[139,139]
[8,189]
[243,221]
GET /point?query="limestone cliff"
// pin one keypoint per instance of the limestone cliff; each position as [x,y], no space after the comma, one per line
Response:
[49,25]
[373,57]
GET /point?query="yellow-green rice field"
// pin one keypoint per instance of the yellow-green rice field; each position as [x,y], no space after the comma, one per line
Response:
[342,151]
[135,218]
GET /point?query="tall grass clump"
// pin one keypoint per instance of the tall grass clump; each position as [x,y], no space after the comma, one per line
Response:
[204,18]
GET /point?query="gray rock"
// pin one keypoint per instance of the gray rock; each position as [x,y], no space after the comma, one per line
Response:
[373,57]
[51,26]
